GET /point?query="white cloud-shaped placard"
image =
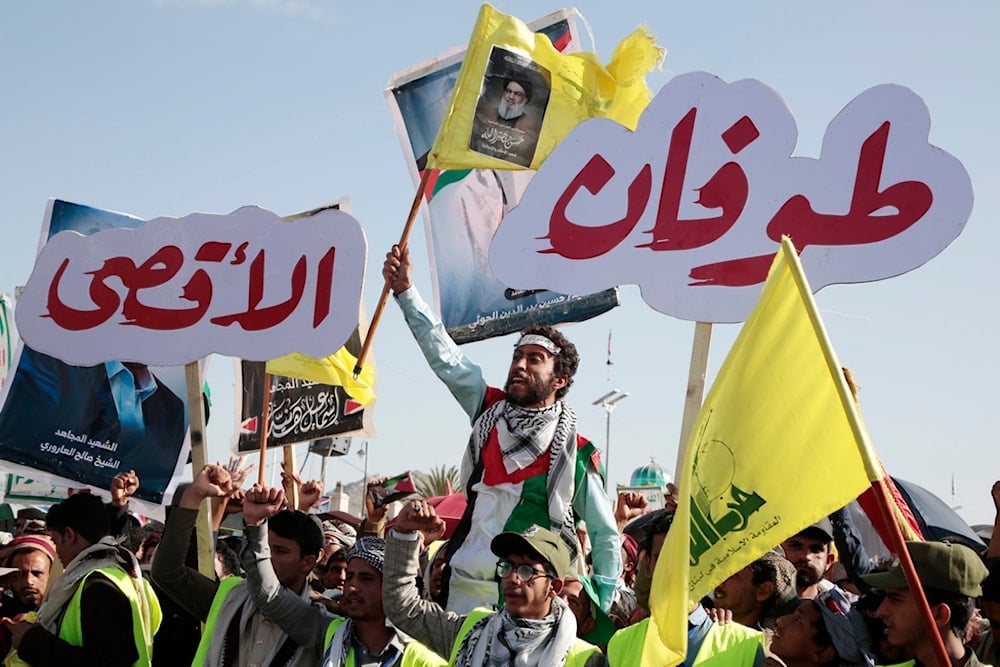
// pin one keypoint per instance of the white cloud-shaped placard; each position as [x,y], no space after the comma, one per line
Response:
[247,284]
[692,205]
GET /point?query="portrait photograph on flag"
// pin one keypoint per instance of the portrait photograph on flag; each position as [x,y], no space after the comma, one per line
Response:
[511,108]
[465,206]
[85,424]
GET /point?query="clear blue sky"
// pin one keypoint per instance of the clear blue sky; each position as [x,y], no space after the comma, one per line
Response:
[168,107]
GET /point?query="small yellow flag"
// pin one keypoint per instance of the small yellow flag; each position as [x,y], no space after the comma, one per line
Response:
[337,370]
[779,401]
[516,96]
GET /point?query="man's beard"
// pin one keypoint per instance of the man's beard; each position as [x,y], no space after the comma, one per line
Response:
[805,578]
[534,391]
[510,111]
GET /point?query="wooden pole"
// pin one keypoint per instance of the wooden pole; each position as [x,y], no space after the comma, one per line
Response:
[695,388]
[891,516]
[288,458]
[384,297]
[882,496]
[265,418]
[196,419]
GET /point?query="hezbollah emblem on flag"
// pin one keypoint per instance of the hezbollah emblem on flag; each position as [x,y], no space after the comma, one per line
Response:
[718,506]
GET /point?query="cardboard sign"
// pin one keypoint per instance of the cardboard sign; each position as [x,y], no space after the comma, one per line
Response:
[693,204]
[175,290]
[300,410]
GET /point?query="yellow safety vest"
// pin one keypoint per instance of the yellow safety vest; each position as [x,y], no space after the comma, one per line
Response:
[732,645]
[71,631]
[226,585]
[415,654]
[579,652]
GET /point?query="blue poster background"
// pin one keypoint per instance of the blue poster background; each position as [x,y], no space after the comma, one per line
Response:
[64,420]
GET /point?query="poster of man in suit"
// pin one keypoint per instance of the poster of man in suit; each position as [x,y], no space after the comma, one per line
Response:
[85,424]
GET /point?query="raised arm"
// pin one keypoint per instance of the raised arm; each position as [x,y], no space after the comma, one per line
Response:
[304,623]
[463,378]
[185,585]
[994,549]
[422,619]
[591,503]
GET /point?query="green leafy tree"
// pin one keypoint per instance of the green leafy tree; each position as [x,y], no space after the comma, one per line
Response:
[440,481]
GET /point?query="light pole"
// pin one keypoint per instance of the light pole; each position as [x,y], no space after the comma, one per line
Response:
[608,402]
[364,488]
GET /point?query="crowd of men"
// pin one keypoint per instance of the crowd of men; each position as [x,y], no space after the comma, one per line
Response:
[543,569]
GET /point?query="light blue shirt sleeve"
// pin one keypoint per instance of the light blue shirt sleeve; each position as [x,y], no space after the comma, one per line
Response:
[591,503]
[463,378]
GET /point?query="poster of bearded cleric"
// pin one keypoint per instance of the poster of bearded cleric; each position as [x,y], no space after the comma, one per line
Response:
[82,425]
[515,93]
[465,207]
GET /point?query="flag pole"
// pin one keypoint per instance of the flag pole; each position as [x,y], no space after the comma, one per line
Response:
[265,418]
[384,297]
[847,389]
[695,387]
[889,510]
[196,421]
[909,571]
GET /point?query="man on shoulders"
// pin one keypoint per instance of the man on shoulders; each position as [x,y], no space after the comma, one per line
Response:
[525,464]
[535,625]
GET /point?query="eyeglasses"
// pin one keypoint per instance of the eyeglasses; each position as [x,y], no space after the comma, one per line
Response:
[524,572]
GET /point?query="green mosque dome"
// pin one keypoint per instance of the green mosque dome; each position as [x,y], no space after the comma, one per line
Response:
[651,474]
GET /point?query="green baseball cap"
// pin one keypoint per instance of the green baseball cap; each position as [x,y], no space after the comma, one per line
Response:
[534,540]
[943,566]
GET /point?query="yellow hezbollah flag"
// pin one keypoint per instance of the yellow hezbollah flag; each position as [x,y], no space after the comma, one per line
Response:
[779,401]
[516,96]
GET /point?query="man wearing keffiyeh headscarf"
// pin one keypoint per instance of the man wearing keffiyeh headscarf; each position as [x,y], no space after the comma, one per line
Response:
[361,636]
[525,464]
[100,610]
[535,628]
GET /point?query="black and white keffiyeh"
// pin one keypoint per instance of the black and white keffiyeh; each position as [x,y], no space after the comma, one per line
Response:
[340,645]
[369,549]
[500,639]
[524,434]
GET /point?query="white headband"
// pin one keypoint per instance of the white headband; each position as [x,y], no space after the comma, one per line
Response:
[541,341]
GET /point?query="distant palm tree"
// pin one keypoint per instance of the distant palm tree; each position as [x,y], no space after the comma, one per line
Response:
[440,481]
